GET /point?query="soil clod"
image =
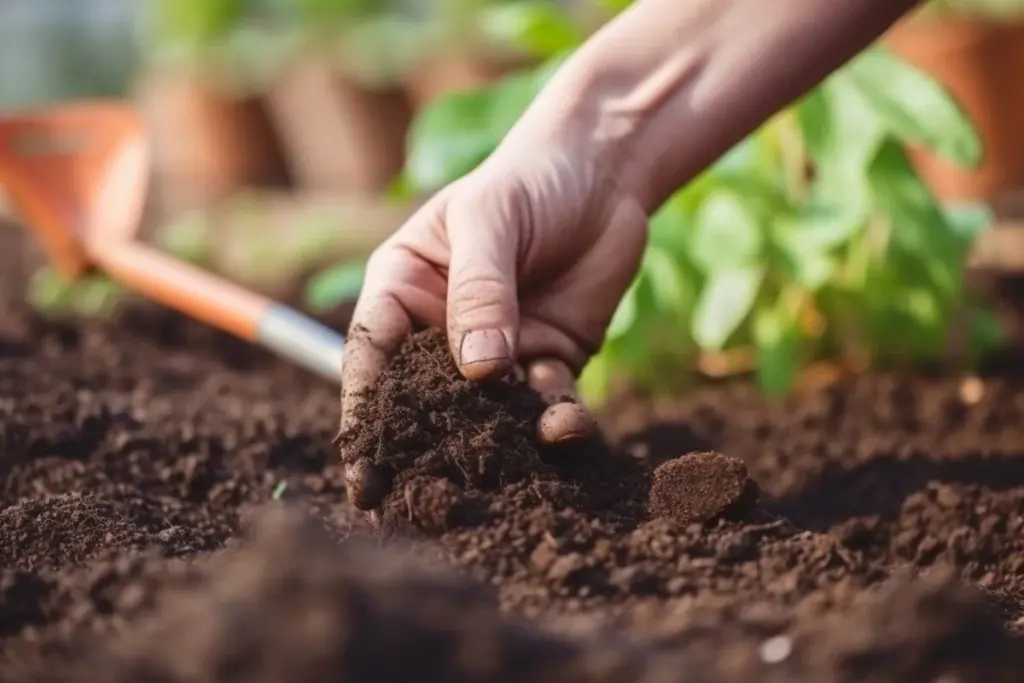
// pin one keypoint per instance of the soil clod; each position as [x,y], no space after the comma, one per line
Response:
[63,530]
[422,418]
[701,486]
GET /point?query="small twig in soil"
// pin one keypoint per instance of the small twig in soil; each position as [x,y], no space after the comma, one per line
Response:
[279,490]
[436,363]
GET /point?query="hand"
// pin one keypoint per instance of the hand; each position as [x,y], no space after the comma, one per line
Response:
[523,261]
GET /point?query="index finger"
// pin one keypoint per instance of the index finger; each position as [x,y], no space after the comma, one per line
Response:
[379,326]
[383,317]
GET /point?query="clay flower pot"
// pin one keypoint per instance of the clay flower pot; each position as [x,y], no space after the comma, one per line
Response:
[982,64]
[457,72]
[339,134]
[206,142]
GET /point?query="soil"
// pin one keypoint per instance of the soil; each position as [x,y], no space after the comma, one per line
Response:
[699,487]
[426,428]
[140,459]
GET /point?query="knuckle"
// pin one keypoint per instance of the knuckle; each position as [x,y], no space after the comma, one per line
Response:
[497,205]
[380,259]
[478,295]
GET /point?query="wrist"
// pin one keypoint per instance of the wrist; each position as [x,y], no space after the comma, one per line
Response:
[665,89]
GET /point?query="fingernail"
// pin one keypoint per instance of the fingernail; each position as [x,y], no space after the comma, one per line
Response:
[483,346]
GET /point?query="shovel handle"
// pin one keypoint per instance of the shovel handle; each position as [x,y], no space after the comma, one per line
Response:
[221,304]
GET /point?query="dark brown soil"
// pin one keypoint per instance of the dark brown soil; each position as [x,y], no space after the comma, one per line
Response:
[434,434]
[887,544]
[701,486]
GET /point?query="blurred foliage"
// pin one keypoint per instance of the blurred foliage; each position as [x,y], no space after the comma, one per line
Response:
[334,285]
[245,42]
[813,239]
[992,9]
[53,295]
[59,49]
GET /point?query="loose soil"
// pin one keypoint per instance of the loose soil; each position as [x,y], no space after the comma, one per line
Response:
[883,539]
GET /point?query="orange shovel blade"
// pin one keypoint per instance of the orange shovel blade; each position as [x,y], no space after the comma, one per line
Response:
[77,174]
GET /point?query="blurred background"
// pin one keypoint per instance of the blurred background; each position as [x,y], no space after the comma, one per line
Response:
[58,49]
[290,137]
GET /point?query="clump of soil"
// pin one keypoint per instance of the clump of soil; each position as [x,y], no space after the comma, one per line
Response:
[438,505]
[423,419]
[701,486]
[63,530]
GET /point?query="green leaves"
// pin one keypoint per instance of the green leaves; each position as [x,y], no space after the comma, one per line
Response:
[538,27]
[320,12]
[777,339]
[456,132]
[334,286]
[726,233]
[52,294]
[450,138]
[813,235]
[920,232]
[801,249]
[195,23]
[726,300]
[914,107]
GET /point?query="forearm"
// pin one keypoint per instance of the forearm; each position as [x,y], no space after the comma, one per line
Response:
[670,85]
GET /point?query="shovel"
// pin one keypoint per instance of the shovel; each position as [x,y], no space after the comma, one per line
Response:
[77,174]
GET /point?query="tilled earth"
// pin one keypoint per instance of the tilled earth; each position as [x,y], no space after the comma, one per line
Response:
[172,510]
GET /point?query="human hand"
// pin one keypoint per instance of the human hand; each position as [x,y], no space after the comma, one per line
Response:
[523,261]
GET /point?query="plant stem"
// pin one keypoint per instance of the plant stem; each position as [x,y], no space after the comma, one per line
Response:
[794,156]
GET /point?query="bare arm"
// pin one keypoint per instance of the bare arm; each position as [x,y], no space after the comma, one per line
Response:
[670,85]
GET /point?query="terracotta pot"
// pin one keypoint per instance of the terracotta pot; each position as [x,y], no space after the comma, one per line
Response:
[981,63]
[453,73]
[339,135]
[205,143]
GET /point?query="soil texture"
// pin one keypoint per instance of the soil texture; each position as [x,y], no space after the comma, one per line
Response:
[141,457]
[700,487]
[432,434]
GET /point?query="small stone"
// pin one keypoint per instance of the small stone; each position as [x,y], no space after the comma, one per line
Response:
[776,650]
[972,391]
[566,567]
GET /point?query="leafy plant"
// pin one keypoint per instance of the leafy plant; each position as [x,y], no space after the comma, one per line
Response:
[332,286]
[221,40]
[813,239]
[993,9]
[92,297]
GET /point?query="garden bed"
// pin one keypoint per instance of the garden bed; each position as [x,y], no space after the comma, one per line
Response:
[886,542]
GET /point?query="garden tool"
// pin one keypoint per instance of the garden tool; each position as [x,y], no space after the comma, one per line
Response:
[77,174]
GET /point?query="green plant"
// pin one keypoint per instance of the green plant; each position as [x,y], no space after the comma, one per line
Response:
[53,295]
[192,31]
[813,239]
[217,39]
[992,9]
[333,286]
[373,41]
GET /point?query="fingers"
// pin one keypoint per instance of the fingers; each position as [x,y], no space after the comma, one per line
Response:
[483,307]
[379,326]
[567,419]
[366,485]
[401,285]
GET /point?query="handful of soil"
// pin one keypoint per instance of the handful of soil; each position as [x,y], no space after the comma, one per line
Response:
[426,427]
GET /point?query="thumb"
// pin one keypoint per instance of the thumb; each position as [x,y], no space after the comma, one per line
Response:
[483,306]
